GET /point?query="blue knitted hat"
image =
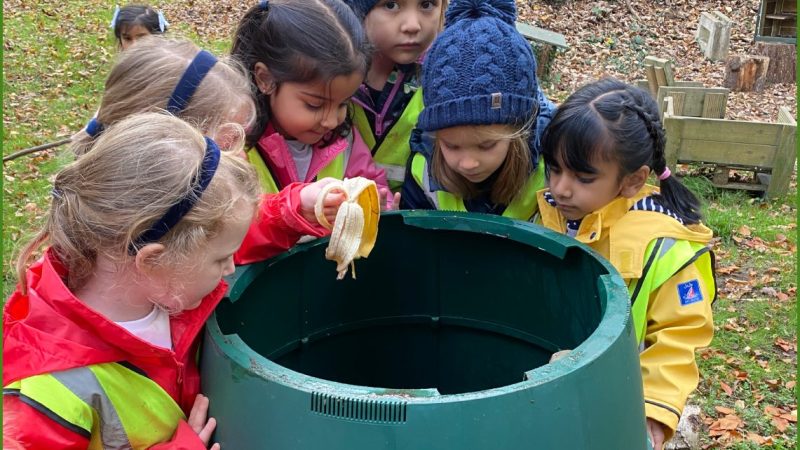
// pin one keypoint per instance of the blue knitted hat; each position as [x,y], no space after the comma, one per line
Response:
[361,7]
[480,70]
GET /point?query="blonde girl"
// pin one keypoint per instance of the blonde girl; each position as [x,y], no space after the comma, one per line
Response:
[100,337]
[472,147]
[173,75]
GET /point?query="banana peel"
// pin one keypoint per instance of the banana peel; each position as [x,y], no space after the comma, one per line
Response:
[355,229]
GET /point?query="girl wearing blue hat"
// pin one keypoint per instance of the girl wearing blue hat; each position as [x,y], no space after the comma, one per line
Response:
[475,147]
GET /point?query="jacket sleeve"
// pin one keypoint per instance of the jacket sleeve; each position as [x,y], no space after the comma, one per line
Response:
[277,226]
[184,439]
[413,196]
[25,427]
[674,331]
[361,163]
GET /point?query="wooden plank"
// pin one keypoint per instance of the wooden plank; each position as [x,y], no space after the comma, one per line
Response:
[785,157]
[784,116]
[668,75]
[745,186]
[537,34]
[652,82]
[694,98]
[740,132]
[721,175]
[688,84]
[728,153]
[661,79]
[714,106]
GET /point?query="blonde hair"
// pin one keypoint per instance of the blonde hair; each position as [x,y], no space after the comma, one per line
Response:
[145,75]
[511,177]
[137,170]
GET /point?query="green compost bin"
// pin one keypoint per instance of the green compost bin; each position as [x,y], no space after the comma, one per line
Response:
[442,342]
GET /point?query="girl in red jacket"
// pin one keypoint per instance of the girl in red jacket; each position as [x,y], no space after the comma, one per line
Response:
[100,337]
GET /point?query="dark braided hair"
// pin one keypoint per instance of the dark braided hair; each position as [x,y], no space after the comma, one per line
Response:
[300,41]
[616,122]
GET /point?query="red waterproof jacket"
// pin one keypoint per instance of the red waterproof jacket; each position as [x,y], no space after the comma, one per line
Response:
[49,329]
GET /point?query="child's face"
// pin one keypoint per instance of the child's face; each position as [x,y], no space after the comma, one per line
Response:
[578,194]
[214,261]
[308,111]
[131,34]
[402,30]
[474,152]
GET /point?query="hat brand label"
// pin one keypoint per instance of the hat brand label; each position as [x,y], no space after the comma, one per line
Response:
[497,100]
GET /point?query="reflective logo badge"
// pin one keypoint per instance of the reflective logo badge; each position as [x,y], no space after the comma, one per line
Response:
[689,292]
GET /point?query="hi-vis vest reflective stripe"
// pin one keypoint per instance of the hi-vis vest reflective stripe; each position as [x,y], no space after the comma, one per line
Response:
[522,207]
[664,258]
[111,405]
[334,169]
[392,155]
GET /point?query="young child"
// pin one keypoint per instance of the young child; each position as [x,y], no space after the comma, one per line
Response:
[177,76]
[599,149]
[306,58]
[100,339]
[387,105]
[480,117]
[133,22]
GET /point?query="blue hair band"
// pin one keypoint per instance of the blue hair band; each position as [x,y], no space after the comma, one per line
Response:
[177,211]
[191,78]
[264,5]
[114,17]
[94,127]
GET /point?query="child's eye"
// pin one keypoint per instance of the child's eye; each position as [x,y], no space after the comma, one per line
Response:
[313,107]
[487,145]
[553,169]
[391,6]
[428,5]
[585,180]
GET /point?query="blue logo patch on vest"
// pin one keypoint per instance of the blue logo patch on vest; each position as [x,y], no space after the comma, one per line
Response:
[689,292]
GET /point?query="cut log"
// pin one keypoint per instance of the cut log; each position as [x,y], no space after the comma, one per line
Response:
[687,436]
[746,73]
[782,61]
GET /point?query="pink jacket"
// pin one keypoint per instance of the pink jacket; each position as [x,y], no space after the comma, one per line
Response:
[358,160]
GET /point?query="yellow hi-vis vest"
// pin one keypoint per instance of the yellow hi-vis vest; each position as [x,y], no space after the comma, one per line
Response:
[392,155]
[522,207]
[111,405]
[664,257]
[334,169]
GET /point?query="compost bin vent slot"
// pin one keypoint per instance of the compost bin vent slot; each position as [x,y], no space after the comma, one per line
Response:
[366,410]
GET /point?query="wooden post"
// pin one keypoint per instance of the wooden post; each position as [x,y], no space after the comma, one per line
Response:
[782,61]
[785,155]
[746,73]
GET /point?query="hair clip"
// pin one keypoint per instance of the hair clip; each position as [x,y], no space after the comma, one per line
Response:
[162,22]
[57,193]
[114,17]
[264,5]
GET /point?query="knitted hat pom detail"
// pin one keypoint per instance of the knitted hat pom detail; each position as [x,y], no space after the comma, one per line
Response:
[473,9]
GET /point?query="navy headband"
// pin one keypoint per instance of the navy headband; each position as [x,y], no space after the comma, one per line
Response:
[93,128]
[177,211]
[191,78]
[179,100]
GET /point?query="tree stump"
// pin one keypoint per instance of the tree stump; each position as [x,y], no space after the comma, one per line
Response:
[746,73]
[782,61]
[687,436]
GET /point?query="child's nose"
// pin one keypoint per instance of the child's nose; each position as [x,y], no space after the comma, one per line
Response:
[468,163]
[411,23]
[330,119]
[559,186]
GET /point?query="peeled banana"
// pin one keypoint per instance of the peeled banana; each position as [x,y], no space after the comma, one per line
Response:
[355,229]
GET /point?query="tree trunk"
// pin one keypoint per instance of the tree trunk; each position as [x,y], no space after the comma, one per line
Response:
[746,73]
[782,61]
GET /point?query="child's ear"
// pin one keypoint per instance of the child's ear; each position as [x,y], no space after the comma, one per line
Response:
[264,79]
[632,183]
[147,257]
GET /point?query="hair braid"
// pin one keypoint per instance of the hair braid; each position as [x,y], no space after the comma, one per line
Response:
[653,125]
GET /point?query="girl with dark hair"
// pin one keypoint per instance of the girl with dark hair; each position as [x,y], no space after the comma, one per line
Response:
[306,58]
[132,22]
[599,149]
